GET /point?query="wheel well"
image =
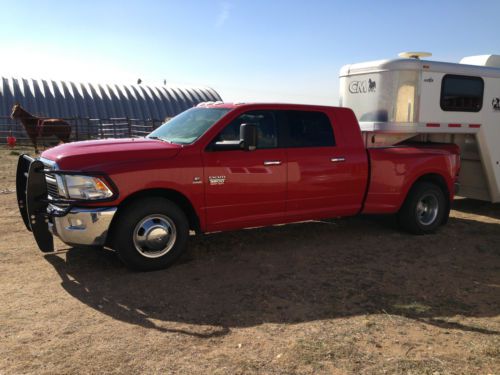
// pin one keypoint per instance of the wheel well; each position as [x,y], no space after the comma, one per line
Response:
[435,179]
[172,195]
[439,181]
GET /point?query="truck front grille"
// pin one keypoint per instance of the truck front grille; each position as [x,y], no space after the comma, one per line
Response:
[52,189]
[50,180]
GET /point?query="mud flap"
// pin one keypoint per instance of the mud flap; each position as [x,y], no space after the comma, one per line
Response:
[36,206]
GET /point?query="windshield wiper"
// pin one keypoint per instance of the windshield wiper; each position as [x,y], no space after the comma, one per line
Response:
[160,139]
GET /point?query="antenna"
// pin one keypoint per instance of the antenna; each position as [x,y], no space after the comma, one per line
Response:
[414,55]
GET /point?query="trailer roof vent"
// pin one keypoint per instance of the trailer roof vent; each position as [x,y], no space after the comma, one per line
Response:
[414,55]
[482,60]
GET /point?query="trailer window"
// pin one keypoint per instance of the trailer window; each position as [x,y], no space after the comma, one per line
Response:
[462,93]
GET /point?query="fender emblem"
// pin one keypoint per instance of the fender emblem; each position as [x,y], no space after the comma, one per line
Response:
[197,180]
[216,180]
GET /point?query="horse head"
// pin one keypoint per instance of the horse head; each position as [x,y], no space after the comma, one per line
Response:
[20,113]
[15,110]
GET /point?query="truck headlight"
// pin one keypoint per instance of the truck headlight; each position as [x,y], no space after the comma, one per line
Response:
[83,187]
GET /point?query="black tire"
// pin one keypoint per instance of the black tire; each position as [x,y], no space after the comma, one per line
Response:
[136,249]
[417,214]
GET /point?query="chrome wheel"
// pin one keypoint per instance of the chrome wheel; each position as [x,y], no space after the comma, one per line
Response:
[427,209]
[154,236]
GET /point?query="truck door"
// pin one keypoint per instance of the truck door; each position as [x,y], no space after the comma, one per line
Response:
[246,188]
[323,176]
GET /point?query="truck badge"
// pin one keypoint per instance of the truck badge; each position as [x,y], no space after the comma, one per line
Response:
[197,180]
[217,180]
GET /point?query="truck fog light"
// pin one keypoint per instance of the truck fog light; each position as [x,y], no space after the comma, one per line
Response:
[76,223]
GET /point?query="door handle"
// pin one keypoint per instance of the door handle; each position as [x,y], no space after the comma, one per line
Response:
[272,162]
[337,160]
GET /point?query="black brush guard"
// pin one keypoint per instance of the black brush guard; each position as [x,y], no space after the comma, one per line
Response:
[32,200]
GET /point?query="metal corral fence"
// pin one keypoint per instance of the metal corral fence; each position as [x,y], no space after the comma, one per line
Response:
[82,129]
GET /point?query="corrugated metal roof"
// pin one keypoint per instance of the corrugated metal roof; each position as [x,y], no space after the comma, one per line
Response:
[69,99]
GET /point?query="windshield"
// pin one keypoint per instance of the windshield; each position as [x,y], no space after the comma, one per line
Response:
[188,126]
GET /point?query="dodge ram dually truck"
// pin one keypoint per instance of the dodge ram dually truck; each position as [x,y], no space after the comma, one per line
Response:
[220,166]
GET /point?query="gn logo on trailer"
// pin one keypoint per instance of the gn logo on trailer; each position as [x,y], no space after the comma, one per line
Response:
[362,87]
[496,104]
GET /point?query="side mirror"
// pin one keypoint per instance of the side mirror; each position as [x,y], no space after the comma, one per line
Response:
[248,137]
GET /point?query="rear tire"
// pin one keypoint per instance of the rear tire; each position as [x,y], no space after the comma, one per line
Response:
[424,209]
[150,234]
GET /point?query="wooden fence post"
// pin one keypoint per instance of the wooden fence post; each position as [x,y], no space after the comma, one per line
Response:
[77,134]
[101,129]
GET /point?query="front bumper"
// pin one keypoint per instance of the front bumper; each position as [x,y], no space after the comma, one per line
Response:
[81,226]
[65,218]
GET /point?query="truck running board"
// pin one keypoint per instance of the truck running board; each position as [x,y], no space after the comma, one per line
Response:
[31,192]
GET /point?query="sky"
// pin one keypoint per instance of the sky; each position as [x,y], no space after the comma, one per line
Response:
[253,50]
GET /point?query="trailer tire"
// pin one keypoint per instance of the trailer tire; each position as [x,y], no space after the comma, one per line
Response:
[424,209]
[150,234]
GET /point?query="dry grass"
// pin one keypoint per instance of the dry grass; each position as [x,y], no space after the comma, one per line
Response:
[351,296]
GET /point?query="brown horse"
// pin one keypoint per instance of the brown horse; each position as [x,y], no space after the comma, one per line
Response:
[40,127]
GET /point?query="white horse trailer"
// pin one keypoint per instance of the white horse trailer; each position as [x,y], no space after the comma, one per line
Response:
[409,99]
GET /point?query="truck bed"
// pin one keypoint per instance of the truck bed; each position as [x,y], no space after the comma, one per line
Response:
[393,170]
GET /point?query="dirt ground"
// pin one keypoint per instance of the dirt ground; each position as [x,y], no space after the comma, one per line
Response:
[349,296]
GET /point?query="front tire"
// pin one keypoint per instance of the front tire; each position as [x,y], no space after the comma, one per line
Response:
[424,210]
[150,234]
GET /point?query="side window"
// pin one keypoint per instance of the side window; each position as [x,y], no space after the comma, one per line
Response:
[309,129]
[267,133]
[462,93]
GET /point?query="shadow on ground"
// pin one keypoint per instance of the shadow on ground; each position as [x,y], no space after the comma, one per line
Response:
[298,273]
[473,206]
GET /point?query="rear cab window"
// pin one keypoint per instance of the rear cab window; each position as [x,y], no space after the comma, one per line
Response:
[308,129]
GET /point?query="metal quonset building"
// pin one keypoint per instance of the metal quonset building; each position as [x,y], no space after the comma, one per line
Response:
[65,99]
[96,110]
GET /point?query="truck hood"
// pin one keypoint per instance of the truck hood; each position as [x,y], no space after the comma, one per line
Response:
[92,155]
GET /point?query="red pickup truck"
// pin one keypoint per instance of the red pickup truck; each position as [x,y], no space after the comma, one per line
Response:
[220,167]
